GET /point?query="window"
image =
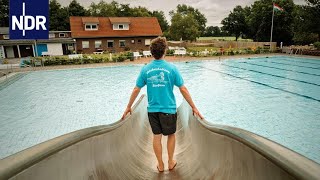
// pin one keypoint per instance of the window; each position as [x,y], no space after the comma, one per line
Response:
[139,41]
[97,44]
[52,35]
[62,35]
[147,42]
[6,36]
[132,41]
[110,43]
[90,27]
[94,26]
[85,44]
[120,26]
[122,43]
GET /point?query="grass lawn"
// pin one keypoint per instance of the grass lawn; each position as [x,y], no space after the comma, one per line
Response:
[223,38]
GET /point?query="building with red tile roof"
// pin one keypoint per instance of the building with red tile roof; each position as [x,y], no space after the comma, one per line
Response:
[113,34]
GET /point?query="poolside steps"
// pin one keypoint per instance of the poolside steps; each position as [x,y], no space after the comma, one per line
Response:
[10,79]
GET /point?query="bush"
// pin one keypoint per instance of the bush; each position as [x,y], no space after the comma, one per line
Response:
[317,45]
[5,61]
[170,52]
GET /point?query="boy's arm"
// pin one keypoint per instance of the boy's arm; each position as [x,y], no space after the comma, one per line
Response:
[133,97]
[185,93]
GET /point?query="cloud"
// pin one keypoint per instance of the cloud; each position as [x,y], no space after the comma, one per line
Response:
[214,10]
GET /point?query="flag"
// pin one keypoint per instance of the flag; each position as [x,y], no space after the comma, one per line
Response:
[277,7]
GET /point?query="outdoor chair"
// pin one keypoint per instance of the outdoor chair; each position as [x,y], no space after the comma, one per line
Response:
[146,53]
[136,55]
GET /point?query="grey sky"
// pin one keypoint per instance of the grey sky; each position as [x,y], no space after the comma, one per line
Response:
[214,10]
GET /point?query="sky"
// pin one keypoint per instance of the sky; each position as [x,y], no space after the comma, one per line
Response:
[214,10]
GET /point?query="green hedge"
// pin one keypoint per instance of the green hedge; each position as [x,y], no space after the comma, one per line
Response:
[317,45]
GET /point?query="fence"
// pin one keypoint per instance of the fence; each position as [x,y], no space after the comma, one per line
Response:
[223,44]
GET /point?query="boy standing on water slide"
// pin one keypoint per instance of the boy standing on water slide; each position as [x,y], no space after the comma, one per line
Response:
[160,78]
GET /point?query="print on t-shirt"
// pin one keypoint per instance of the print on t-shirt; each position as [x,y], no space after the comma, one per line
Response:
[158,80]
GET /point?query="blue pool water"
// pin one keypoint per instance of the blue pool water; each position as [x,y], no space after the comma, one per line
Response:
[276,97]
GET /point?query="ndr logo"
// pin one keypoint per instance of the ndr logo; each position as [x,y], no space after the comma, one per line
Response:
[29,19]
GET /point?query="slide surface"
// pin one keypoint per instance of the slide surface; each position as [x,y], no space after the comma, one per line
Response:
[123,150]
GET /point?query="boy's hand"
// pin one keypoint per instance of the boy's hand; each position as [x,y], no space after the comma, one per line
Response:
[196,112]
[128,110]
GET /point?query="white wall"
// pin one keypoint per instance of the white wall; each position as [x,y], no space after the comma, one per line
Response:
[55,49]
[10,52]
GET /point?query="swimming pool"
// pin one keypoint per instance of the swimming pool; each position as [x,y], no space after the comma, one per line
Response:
[276,97]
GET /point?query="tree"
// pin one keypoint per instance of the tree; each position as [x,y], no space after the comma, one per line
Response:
[183,26]
[59,18]
[312,14]
[75,9]
[303,33]
[200,19]
[140,12]
[104,9]
[259,21]
[235,23]
[212,31]
[4,13]
[162,20]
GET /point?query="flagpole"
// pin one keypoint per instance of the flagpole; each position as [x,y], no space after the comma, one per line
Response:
[272,24]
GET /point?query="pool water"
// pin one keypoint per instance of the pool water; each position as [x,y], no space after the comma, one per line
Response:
[276,97]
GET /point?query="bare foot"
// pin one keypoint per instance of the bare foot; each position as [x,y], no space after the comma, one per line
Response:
[172,164]
[160,167]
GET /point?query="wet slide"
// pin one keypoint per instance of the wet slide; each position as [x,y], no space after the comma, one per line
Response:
[123,150]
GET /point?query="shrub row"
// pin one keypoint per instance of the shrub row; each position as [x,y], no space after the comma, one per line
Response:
[87,59]
[230,52]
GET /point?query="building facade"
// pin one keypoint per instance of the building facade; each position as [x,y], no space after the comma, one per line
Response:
[113,34]
[59,43]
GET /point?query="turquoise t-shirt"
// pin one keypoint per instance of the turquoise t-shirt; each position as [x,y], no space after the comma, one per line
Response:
[160,78]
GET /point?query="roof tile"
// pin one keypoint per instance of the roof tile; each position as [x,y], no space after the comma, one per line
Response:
[139,26]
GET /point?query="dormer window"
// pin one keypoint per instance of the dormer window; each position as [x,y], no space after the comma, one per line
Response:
[120,23]
[91,27]
[90,23]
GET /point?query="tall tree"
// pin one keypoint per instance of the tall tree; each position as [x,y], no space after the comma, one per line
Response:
[259,21]
[183,26]
[200,19]
[4,13]
[140,12]
[312,11]
[162,20]
[75,9]
[59,18]
[235,23]
[104,9]
[303,33]
[212,31]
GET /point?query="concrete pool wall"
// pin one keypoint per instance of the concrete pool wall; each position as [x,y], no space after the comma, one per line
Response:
[123,150]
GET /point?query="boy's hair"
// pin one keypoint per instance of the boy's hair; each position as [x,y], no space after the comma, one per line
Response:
[158,47]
